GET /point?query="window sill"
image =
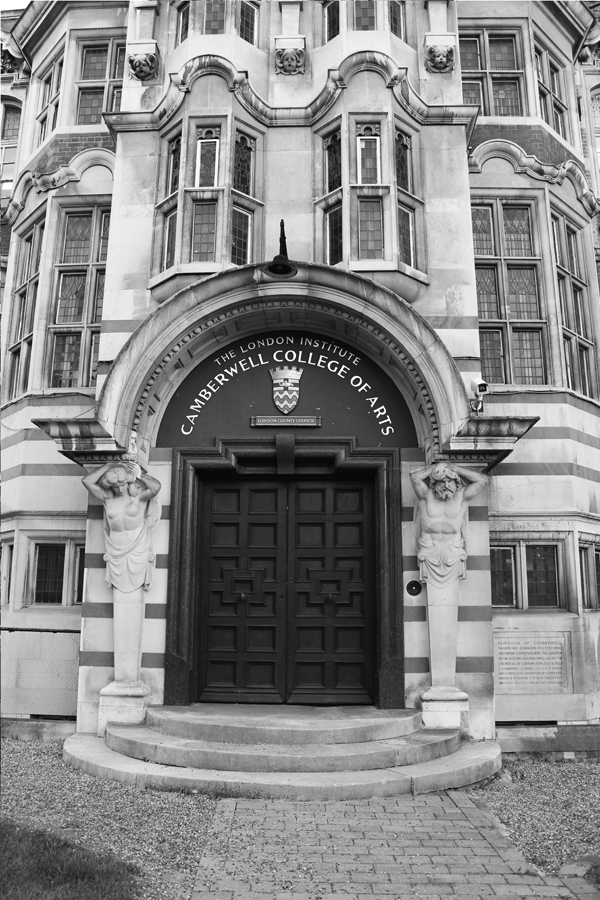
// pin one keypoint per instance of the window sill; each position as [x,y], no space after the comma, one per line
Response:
[534,611]
[176,278]
[530,121]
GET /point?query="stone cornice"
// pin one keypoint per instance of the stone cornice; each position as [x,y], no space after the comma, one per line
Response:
[528,164]
[337,79]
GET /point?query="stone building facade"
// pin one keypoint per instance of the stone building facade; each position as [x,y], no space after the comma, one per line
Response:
[435,165]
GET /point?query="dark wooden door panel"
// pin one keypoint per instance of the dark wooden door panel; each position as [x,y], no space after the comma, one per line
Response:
[287,601]
[242,635]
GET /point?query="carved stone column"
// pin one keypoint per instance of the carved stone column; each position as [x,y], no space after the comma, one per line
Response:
[443,493]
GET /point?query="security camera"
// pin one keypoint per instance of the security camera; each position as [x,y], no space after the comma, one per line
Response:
[479,387]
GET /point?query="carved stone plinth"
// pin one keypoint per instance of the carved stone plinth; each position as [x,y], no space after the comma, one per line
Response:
[123,702]
[445,707]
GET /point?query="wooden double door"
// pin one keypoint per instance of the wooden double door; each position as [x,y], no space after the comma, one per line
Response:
[287,603]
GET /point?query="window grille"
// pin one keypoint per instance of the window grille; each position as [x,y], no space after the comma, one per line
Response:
[334,235]
[403,173]
[333,161]
[370,229]
[214,17]
[332,20]
[398,19]
[243,164]
[406,235]
[248,22]
[204,234]
[183,23]
[240,237]
[542,576]
[368,154]
[207,159]
[364,15]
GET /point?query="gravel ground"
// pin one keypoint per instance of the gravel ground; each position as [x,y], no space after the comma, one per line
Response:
[162,833]
[551,810]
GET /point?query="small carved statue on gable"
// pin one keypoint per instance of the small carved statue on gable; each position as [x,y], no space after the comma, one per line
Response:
[439,59]
[290,61]
[143,66]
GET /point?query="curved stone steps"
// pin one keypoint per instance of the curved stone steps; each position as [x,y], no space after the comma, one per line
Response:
[144,743]
[471,763]
[289,725]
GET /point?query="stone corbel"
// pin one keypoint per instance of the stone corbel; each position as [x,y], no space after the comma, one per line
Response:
[440,52]
[290,55]
[142,60]
[49,182]
[86,442]
[487,439]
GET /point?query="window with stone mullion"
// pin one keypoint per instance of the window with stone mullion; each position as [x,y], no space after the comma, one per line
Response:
[99,86]
[333,161]
[511,321]
[243,164]
[525,574]
[578,346]
[80,275]
[24,305]
[49,99]
[214,17]
[492,73]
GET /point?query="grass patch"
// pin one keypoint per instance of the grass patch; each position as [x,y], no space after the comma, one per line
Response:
[38,865]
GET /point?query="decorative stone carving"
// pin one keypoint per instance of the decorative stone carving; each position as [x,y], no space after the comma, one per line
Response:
[368,129]
[131,512]
[439,58]
[8,63]
[143,66]
[440,531]
[441,520]
[290,61]
[213,132]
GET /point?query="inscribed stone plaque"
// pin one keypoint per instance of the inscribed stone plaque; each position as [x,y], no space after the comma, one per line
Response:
[534,662]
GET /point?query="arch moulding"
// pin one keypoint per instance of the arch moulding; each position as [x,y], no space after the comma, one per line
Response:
[217,310]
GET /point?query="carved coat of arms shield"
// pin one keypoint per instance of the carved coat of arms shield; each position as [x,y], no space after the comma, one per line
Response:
[286,387]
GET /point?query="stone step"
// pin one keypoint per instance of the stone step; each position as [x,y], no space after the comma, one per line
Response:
[144,743]
[471,763]
[295,725]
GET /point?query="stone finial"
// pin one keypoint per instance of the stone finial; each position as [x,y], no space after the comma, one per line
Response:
[439,58]
[143,66]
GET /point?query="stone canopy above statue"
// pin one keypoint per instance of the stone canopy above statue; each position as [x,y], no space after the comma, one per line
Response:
[287,380]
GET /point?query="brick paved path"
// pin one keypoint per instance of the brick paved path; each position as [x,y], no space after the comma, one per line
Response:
[432,847]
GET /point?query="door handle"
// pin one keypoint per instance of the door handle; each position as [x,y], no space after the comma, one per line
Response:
[328,598]
[242,596]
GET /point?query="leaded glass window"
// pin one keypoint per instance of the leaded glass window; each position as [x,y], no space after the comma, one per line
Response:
[492,72]
[11,121]
[334,222]
[403,173]
[243,164]
[50,568]
[573,305]
[517,231]
[333,161]
[487,292]
[502,565]
[523,301]
[49,98]
[483,232]
[332,20]
[248,21]
[214,17]
[75,328]
[406,251]
[398,19]
[511,320]
[100,81]
[368,163]
[240,237]
[174,165]
[24,302]
[528,357]
[204,235]
[364,15]
[551,94]
[183,23]
[370,229]
[207,160]
[170,240]
[542,576]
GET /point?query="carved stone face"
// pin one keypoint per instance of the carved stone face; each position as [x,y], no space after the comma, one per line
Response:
[143,66]
[440,59]
[444,482]
[289,61]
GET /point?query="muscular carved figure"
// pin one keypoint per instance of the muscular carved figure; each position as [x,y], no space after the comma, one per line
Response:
[441,520]
[130,513]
